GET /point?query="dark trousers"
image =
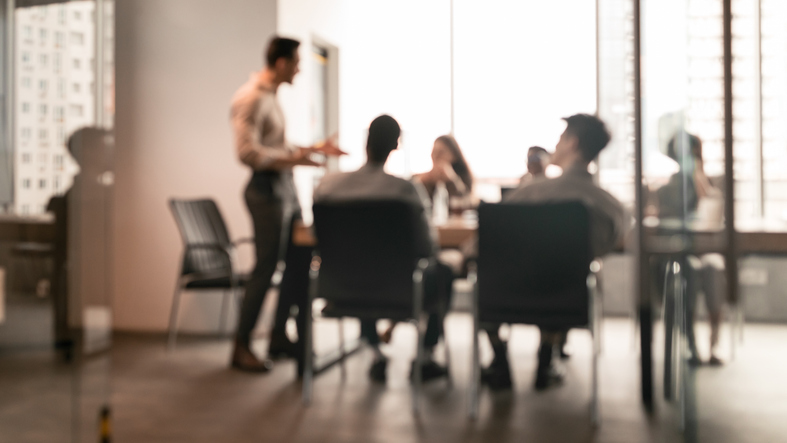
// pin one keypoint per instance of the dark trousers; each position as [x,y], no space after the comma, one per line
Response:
[438,285]
[270,216]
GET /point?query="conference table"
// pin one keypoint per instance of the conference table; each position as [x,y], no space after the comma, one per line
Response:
[451,234]
[753,237]
[27,228]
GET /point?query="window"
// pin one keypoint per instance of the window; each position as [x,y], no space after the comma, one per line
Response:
[46,75]
[26,208]
[77,110]
[77,38]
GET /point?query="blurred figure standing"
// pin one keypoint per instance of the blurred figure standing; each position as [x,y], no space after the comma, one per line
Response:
[261,144]
[679,201]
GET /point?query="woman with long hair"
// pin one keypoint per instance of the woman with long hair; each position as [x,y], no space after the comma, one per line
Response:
[449,167]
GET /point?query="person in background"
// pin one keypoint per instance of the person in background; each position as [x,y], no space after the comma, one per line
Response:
[261,144]
[448,167]
[679,201]
[88,147]
[537,162]
[584,137]
[371,182]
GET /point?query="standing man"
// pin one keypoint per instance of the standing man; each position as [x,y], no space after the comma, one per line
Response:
[259,129]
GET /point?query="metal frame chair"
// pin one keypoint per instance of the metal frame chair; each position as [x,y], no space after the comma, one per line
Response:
[209,256]
[535,267]
[369,266]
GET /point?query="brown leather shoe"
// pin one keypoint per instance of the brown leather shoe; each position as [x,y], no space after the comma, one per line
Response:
[245,360]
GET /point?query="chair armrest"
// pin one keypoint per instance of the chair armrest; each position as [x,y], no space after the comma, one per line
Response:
[207,246]
[241,241]
[226,252]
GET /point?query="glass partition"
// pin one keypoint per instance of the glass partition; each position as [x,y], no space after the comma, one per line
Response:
[695,93]
[55,254]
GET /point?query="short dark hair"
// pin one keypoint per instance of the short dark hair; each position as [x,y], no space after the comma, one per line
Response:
[591,133]
[383,138]
[538,149]
[676,142]
[280,47]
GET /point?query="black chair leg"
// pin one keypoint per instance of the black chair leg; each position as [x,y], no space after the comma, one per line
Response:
[475,373]
[223,312]
[308,345]
[173,316]
[342,349]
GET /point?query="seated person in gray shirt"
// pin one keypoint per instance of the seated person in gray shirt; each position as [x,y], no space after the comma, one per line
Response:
[585,136]
[371,182]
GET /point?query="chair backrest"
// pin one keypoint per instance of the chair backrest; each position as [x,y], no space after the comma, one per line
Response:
[368,253]
[533,263]
[200,224]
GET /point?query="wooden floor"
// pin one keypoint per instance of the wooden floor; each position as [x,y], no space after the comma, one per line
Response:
[190,395]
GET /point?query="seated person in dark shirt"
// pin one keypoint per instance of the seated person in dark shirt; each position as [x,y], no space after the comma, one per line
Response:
[371,182]
[585,136]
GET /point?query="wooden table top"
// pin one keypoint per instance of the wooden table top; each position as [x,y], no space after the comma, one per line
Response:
[753,237]
[27,228]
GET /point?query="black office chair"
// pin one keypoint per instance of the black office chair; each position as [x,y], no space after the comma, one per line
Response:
[369,266]
[209,256]
[535,267]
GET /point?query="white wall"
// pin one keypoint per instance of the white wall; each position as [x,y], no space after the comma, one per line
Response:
[520,67]
[178,64]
